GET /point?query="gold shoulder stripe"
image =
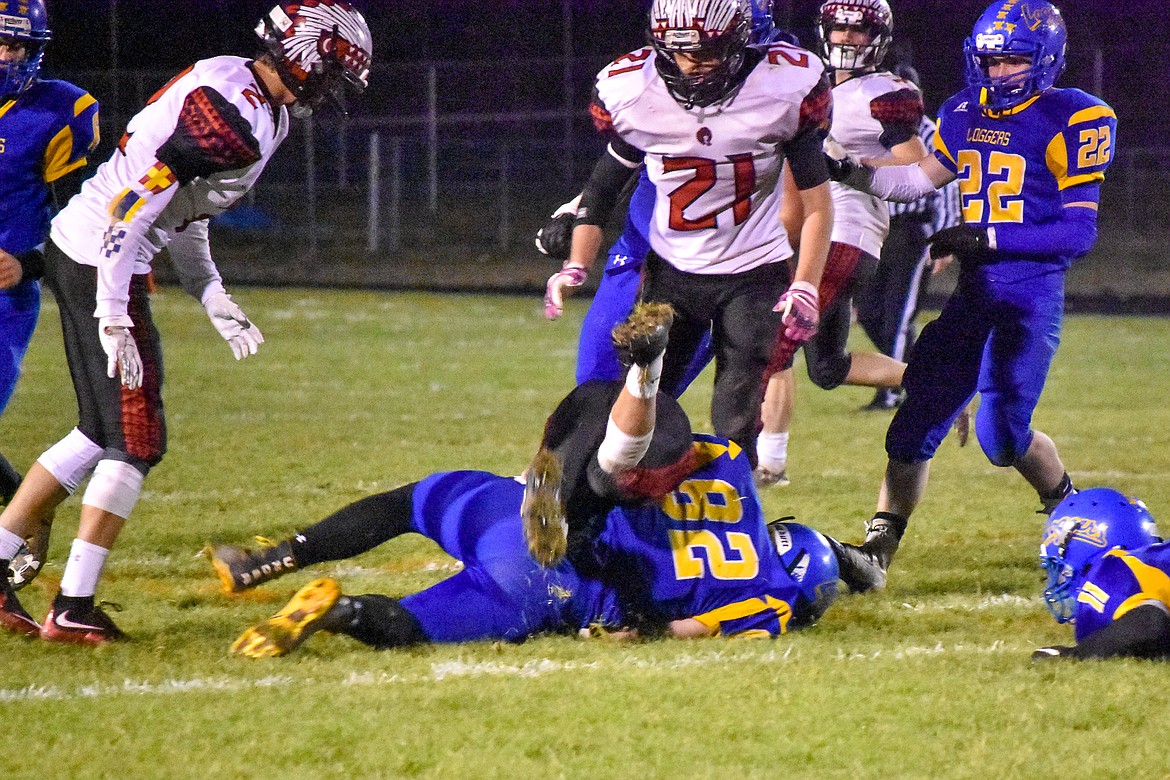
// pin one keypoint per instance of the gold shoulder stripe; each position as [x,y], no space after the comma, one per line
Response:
[940,145]
[82,103]
[1154,584]
[1093,112]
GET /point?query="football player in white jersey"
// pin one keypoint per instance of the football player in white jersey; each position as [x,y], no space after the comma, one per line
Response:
[875,117]
[713,120]
[195,149]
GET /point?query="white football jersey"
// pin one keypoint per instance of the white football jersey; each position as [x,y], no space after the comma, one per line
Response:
[860,106]
[196,148]
[716,170]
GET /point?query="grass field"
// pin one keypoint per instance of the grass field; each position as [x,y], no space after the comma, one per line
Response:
[354,393]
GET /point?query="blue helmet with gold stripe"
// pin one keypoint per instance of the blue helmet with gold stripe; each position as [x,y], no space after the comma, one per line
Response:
[1016,28]
[809,559]
[1085,526]
[24,26]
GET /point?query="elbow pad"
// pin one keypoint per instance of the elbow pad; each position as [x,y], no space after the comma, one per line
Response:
[900,183]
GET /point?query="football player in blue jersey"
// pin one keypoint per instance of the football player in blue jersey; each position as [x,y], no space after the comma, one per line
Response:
[47,129]
[1109,575]
[681,548]
[1030,159]
[621,276]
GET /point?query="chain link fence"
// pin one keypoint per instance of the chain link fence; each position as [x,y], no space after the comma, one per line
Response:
[429,184]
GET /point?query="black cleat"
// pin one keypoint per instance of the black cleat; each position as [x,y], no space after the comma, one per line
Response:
[30,558]
[858,568]
[543,510]
[13,616]
[240,568]
[883,534]
[886,399]
[642,337]
[88,625]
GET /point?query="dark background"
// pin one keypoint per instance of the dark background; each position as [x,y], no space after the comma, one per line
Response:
[1131,68]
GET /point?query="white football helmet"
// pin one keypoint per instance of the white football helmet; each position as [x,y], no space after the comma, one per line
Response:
[718,29]
[873,16]
[322,48]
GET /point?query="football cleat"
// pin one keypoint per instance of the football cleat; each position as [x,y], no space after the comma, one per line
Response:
[643,336]
[239,568]
[766,478]
[543,510]
[884,400]
[882,537]
[88,625]
[304,615]
[859,568]
[29,559]
[13,616]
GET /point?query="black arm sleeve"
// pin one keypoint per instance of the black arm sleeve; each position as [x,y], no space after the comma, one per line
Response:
[357,528]
[604,188]
[1141,633]
[32,264]
[211,136]
[807,160]
[67,186]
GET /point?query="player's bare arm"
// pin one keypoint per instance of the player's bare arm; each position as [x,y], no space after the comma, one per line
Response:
[609,177]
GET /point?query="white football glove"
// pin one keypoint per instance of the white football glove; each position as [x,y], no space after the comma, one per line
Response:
[122,358]
[231,322]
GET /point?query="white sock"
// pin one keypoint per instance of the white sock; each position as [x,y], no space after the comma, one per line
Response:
[620,451]
[83,569]
[9,544]
[643,382]
[772,450]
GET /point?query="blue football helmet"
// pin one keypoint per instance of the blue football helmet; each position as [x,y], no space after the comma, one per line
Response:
[763,25]
[1085,526]
[808,558]
[719,30]
[1033,29]
[28,23]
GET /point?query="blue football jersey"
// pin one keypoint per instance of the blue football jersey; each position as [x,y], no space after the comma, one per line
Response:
[704,552]
[1017,166]
[45,132]
[1121,581]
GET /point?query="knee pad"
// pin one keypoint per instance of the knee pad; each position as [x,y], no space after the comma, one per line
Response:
[1002,445]
[115,487]
[828,371]
[71,460]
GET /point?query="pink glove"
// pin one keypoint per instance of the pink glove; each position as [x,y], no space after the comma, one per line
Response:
[554,291]
[801,311]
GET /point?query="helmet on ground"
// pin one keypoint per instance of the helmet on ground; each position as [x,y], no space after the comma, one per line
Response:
[872,16]
[24,24]
[322,49]
[708,30]
[1084,527]
[808,558]
[1032,29]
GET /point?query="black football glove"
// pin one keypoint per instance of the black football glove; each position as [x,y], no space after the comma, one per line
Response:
[556,237]
[968,244]
[841,170]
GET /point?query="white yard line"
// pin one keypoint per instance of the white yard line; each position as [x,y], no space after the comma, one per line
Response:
[457,669]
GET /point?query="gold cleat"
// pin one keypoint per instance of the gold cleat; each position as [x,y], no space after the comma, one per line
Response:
[543,511]
[290,627]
